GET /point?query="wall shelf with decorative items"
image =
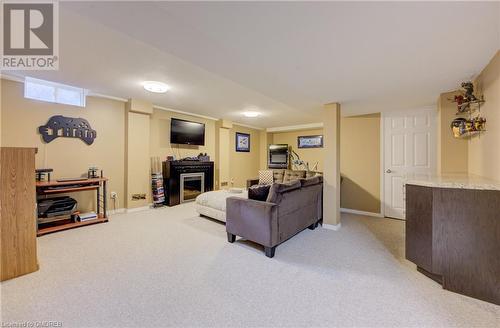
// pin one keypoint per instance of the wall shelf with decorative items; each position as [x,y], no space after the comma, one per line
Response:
[469,107]
[469,122]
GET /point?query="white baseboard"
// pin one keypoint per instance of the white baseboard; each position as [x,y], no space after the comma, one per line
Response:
[348,210]
[138,209]
[335,227]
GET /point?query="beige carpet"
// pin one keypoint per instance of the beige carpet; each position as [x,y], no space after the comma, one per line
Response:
[169,267]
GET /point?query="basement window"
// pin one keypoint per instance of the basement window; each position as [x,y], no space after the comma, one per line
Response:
[54,92]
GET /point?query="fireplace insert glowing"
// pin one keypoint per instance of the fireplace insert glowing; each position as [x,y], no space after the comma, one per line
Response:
[192,184]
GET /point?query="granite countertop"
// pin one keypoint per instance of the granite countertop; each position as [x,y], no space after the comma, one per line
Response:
[458,181]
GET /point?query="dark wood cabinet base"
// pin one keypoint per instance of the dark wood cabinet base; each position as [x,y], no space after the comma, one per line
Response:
[453,236]
[270,251]
[231,238]
[436,277]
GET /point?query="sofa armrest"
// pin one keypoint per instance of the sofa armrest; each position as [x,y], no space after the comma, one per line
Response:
[251,182]
[252,219]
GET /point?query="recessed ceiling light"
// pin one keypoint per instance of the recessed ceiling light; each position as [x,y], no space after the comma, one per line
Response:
[157,87]
[251,114]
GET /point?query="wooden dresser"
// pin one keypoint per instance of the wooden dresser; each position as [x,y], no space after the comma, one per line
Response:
[18,212]
[453,235]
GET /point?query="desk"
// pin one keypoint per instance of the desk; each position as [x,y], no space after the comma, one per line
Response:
[47,188]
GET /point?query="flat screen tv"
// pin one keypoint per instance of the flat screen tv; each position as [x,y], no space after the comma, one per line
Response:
[186,132]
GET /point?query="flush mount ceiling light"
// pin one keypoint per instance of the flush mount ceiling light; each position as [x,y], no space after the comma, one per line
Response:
[156,87]
[251,114]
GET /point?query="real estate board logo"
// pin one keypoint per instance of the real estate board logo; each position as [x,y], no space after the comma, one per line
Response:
[30,38]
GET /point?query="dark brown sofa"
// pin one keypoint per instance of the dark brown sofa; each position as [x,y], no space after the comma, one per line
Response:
[289,208]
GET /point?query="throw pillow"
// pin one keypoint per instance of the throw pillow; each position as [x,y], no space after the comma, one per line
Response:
[291,175]
[310,174]
[266,177]
[278,175]
[258,192]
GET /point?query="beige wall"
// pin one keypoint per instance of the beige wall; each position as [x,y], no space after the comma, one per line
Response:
[266,139]
[478,155]
[484,150]
[160,136]
[244,165]
[150,135]
[160,145]
[68,157]
[224,157]
[359,159]
[310,155]
[452,152]
[331,161]
[137,155]
[360,162]
[125,141]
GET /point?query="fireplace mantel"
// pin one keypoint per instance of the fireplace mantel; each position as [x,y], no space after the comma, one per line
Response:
[172,171]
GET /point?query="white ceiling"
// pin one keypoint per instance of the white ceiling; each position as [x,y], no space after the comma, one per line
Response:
[283,59]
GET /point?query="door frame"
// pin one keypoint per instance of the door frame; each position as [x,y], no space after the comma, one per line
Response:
[382,164]
[383,115]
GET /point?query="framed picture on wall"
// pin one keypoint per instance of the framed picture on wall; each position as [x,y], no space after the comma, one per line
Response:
[242,142]
[310,141]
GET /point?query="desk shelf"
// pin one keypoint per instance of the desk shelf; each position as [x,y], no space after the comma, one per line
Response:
[69,225]
[47,188]
[66,190]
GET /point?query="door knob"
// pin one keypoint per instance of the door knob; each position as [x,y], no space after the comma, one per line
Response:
[388,171]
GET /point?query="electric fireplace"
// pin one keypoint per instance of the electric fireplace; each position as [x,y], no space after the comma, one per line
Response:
[192,185]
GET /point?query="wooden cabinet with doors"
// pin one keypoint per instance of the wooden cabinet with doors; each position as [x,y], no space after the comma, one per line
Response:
[17,212]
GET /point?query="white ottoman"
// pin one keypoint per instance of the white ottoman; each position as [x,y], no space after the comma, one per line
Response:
[213,203]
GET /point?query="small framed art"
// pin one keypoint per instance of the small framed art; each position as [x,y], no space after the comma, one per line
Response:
[310,141]
[242,142]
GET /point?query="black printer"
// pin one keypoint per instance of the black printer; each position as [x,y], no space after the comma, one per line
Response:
[57,206]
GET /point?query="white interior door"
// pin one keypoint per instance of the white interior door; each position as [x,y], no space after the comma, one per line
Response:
[410,146]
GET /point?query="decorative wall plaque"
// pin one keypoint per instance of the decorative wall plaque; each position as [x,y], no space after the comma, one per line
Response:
[310,141]
[67,127]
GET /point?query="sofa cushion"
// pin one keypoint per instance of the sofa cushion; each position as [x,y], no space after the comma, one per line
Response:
[310,174]
[266,177]
[278,188]
[278,175]
[310,181]
[291,175]
[259,192]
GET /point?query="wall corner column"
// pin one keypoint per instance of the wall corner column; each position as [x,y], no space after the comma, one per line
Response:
[137,153]
[331,166]
[266,139]
[223,145]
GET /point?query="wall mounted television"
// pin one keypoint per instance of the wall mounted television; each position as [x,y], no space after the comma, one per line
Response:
[187,132]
